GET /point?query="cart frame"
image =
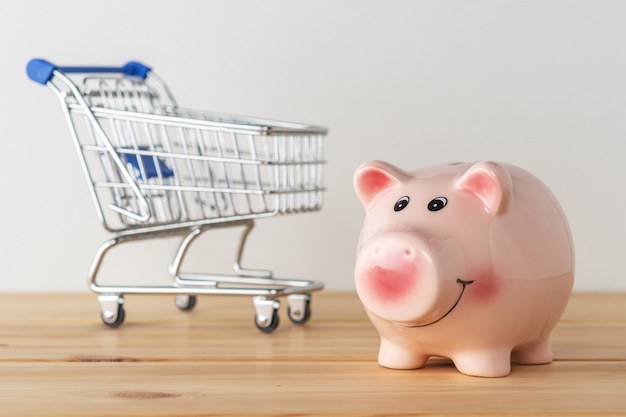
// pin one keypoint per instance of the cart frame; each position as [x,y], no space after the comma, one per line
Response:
[155,170]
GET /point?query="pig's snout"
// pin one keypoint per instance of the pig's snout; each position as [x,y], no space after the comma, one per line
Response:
[395,278]
[391,271]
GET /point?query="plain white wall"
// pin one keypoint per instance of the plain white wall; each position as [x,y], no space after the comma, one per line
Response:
[541,84]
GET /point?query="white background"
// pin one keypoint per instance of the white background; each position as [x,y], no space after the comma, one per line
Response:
[541,84]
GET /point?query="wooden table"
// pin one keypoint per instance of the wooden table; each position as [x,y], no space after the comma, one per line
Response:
[56,358]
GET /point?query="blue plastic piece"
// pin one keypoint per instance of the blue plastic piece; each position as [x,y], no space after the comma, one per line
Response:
[41,71]
[136,69]
[148,165]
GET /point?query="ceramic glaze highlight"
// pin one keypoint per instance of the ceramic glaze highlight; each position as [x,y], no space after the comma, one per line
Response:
[473,261]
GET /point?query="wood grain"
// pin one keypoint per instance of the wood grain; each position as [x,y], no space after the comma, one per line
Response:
[56,358]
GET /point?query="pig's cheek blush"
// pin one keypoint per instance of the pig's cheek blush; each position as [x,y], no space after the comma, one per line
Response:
[485,287]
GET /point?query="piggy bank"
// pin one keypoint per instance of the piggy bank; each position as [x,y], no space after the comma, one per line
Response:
[469,261]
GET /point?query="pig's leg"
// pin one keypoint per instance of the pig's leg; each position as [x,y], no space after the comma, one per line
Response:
[487,363]
[397,356]
[534,353]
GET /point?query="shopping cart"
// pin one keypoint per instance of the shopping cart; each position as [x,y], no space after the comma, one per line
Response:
[156,170]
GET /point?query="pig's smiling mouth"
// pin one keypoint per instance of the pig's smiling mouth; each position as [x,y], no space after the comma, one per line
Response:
[458,281]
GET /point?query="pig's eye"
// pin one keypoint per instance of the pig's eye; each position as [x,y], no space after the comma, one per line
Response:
[437,204]
[401,203]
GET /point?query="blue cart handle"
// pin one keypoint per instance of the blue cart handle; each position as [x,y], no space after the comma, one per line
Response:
[41,71]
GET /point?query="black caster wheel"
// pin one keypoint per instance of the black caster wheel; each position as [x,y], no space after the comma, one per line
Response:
[299,309]
[267,324]
[300,316]
[114,320]
[186,302]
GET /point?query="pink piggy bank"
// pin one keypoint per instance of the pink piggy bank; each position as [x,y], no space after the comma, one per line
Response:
[472,262]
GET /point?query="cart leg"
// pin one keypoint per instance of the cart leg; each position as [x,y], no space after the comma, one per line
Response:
[244,272]
[111,305]
[97,262]
[176,263]
[185,302]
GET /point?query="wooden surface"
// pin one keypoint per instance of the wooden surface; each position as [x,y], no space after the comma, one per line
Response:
[56,358]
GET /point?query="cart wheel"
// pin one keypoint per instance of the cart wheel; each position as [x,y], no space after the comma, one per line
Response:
[186,302]
[299,309]
[267,324]
[112,309]
[299,317]
[116,320]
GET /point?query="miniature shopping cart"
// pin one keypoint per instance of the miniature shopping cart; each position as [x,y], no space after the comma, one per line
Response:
[156,170]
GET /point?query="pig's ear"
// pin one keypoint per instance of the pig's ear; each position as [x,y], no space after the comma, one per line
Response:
[491,183]
[373,177]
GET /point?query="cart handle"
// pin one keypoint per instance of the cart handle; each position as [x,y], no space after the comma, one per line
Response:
[41,71]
